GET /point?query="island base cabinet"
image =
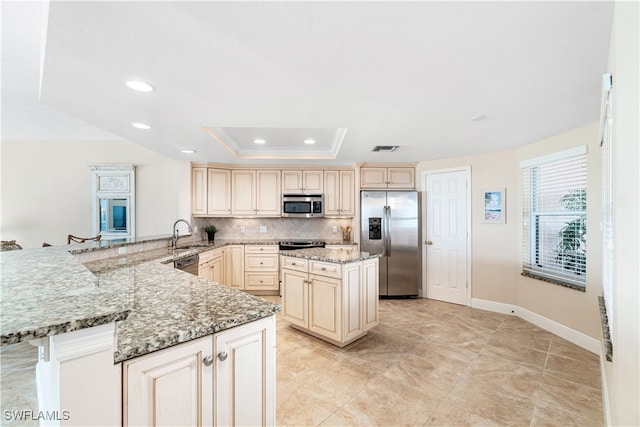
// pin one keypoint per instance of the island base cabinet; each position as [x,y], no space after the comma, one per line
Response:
[172,387]
[338,306]
[225,379]
[245,375]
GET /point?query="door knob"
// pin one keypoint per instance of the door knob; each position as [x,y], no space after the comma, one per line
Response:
[429,242]
[222,356]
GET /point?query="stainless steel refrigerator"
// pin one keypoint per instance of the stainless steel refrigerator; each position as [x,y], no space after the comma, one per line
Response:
[390,226]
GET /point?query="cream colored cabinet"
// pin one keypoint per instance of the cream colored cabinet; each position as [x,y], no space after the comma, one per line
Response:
[211,265]
[245,375]
[387,177]
[339,193]
[199,191]
[172,387]
[255,193]
[261,266]
[218,192]
[302,182]
[329,300]
[234,266]
[225,379]
[243,192]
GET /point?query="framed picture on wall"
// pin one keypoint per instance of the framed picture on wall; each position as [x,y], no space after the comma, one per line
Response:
[494,211]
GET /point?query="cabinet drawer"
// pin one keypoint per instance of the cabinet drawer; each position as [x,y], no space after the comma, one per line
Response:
[297,264]
[261,249]
[209,255]
[260,262]
[261,281]
[328,269]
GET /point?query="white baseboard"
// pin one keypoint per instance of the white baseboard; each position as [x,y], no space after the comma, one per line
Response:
[571,335]
[496,307]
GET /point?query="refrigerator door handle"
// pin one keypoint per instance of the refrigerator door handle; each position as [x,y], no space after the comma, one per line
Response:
[387,230]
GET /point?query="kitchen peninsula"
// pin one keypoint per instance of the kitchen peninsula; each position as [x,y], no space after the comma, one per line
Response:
[114,331]
[331,294]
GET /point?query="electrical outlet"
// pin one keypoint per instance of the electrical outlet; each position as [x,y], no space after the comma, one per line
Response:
[242,229]
[335,229]
[122,250]
[263,228]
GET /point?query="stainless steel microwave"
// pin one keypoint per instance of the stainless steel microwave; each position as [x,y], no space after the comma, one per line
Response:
[303,205]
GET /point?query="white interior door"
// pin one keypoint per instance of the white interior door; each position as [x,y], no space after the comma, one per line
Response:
[447,236]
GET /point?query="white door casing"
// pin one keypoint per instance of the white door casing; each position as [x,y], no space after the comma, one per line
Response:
[447,243]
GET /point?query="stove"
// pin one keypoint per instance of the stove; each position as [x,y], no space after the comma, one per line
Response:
[290,245]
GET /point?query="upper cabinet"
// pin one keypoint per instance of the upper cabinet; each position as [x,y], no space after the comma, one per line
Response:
[339,193]
[218,191]
[302,182]
[255,192]
[387,177]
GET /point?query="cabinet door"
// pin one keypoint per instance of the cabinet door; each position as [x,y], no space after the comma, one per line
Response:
[312,182]
[245,375]
[268,193]
[219,192]
[401,177]
[373,177]
[347,193]
[324,306]
[217,269]
[243,194]
[332,194]
[353,301]
[199,191]
[291,182]
[204,270]
[171,387]
[295,302]
[234,266]
[370,279]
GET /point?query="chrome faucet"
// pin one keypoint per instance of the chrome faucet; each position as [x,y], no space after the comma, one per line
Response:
[176,233]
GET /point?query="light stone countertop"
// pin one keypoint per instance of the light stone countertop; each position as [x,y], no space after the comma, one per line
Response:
[338,256]
[47,291]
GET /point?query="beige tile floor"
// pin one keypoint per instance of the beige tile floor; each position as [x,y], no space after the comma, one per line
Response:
[430,363]
[427,363]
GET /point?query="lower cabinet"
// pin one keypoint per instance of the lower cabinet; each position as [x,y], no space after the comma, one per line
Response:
[211,265]
[225,379]
[335,302]
[261,269]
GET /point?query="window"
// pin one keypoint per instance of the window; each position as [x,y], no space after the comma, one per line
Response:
[554,193]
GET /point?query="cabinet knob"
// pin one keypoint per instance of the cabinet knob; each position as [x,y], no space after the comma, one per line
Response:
[207,360]
[261,263]
[429,242]
[222,356]
[323,268]
[293,263]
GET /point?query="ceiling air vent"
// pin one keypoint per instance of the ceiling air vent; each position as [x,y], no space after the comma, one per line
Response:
[385,148]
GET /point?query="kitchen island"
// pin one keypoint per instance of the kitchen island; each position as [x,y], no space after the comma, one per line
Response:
[96,320]
[331,294]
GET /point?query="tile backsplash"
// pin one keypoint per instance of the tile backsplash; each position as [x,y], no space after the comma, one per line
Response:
[276,228]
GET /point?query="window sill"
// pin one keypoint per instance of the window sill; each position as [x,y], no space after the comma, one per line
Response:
[606,337]
[554,281]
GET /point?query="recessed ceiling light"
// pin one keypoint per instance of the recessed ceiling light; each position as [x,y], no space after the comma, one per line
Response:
[259,141]
[139,86]
[478,118]
[309,141]
[188,151]
[143,126]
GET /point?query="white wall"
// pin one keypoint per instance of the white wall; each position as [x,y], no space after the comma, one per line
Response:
[46,192]
[622,376]
[496,248]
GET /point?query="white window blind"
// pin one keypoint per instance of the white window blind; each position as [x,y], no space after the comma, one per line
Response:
[554,194]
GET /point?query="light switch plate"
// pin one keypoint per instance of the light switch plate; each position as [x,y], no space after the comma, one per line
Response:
[335,229]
